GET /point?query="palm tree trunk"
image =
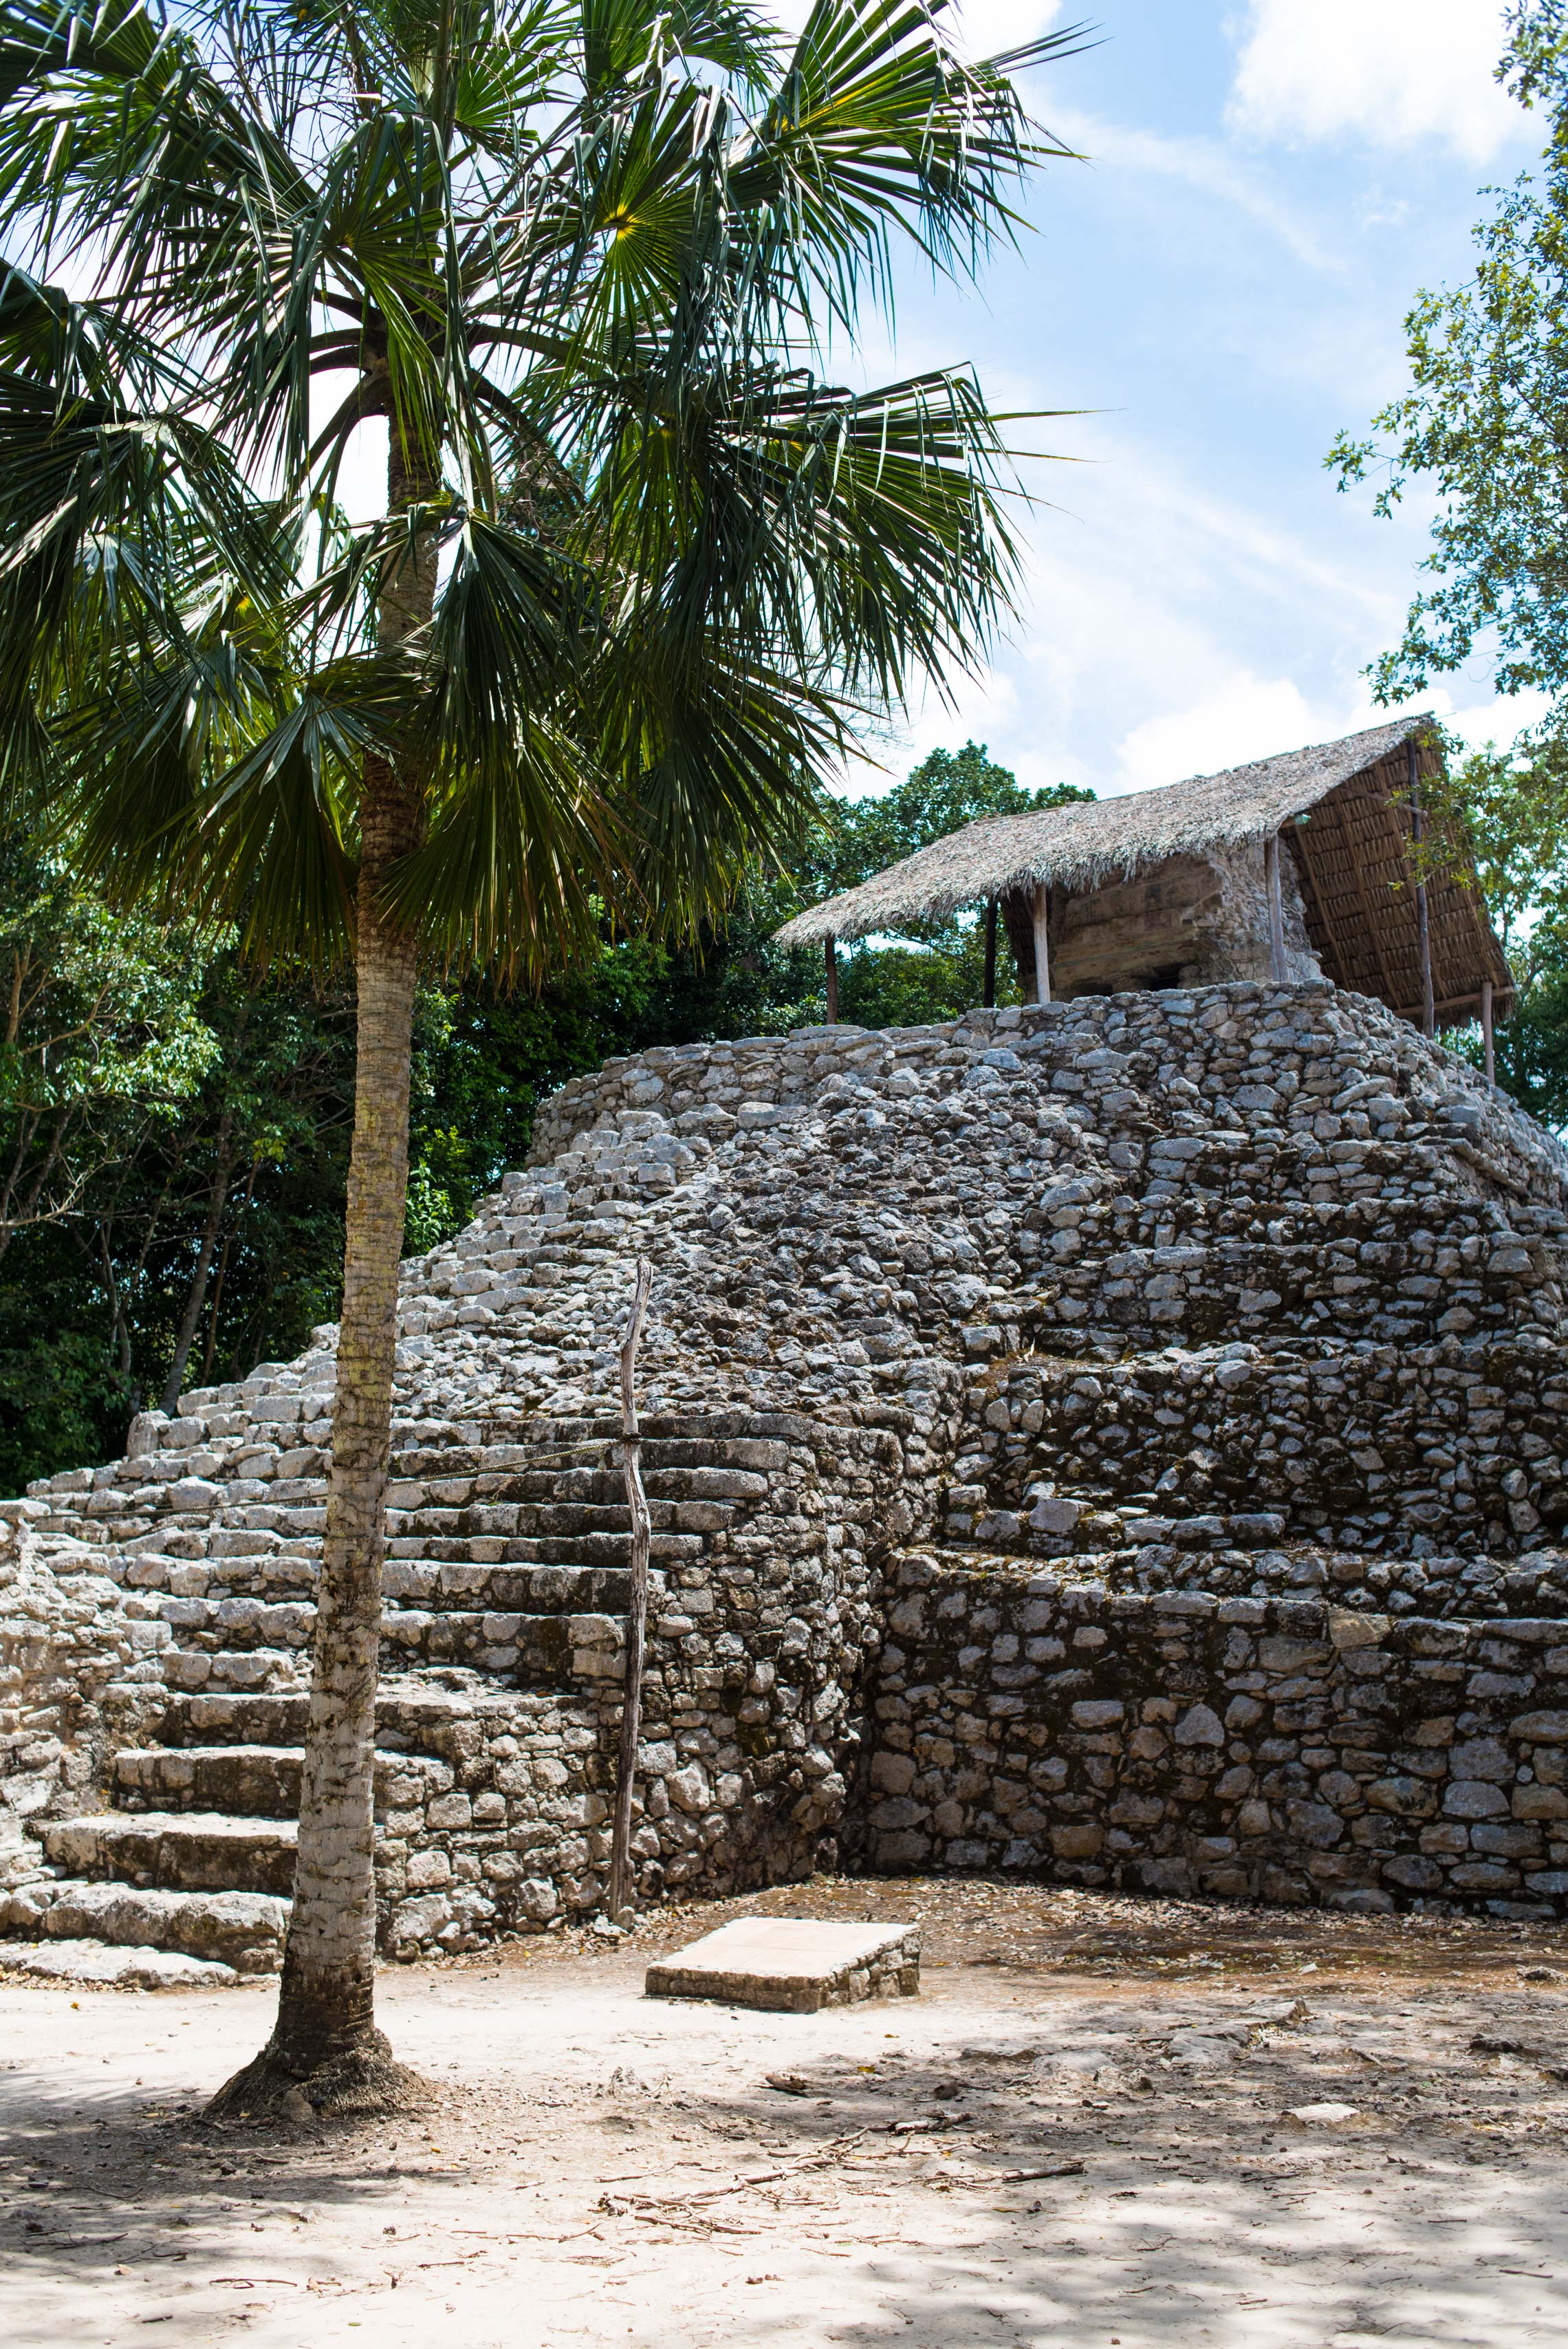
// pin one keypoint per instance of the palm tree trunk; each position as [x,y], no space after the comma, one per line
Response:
[327,2002]
[325,2035]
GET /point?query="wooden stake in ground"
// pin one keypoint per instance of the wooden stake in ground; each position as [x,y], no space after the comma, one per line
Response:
[637,1610]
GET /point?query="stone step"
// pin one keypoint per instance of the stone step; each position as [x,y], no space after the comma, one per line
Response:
[276,1578]
[1226,1164]
[1351,1445]
[604,1551]
[521,1589]
[180,1851]
[223,1564]
[258,1782]
[1060,1525]
[1475,1229]
[215,1718]
[254,1781]
[106,1963]
[237,1625]
[1211,1291]
[545,1522]
[731,1441]
[521,1576]
[413,1716]
[506,1474]
[195,1667]
[243,1930]
[701,1481]
[549,1649]
[182,1503]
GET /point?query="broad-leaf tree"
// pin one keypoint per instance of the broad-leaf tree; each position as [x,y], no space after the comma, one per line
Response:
[102,1039]
[1481,430]
[642,562]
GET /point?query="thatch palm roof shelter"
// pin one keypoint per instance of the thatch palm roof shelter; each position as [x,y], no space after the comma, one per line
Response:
[1296,867]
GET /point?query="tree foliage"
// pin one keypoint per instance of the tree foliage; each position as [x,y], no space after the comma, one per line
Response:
[1482,428]
[102,1040]
[1510,808]
[948,789]
[1482,431]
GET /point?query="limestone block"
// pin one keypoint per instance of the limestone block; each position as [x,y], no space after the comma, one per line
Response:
[792,1965]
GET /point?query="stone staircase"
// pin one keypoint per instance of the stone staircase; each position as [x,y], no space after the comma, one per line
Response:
[505,1571]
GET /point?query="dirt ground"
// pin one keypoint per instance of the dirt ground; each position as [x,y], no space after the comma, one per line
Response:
[1117,2124]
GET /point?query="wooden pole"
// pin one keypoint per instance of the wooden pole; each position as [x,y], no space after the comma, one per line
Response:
[1423,933]
[988,996]
[1042,945]
[637,1610]
[831,961]
[1276,909]
[1486,1031]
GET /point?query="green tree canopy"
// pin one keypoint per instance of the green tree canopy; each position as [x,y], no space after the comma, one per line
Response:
[102,1038]
[1482,428]
[1481,431]
[1532,1042]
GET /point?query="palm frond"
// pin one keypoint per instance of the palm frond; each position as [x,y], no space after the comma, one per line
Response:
[580,255]
[719,759]
[510,630]
[880,127]
[273,846]
[518,851]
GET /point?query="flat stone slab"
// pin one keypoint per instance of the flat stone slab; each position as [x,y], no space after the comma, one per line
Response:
[126,1968]
[795,1964]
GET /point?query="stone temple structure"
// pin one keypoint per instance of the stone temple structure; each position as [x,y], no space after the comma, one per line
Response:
[1119,1442]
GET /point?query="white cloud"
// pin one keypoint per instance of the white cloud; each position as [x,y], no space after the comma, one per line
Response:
[1167,631]
[1246,718]
[1252,716]
[1392,72]
[1496,721]
[1198,163]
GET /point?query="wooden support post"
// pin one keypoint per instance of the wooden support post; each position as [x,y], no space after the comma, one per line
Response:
[988,993]
[831,961]
[1276,909]
[1042,945]
[1487,1038]
[1423,932]
[637,1610]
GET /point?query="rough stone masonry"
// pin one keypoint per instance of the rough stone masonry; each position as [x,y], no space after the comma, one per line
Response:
[1119,1441]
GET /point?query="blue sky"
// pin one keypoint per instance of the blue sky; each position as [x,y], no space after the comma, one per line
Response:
[1222,284]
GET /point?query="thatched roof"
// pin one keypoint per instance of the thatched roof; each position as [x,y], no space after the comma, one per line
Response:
[1352,857]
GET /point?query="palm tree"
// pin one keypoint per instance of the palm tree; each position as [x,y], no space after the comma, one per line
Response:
[641,564]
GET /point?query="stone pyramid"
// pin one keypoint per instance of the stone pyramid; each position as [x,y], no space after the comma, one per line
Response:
[1120,1440]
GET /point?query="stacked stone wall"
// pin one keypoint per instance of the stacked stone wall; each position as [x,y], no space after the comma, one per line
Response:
[67,1643]
[1412,1451]
[1238,1748]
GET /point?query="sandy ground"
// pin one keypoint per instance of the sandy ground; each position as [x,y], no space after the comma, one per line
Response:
[1082,2132]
